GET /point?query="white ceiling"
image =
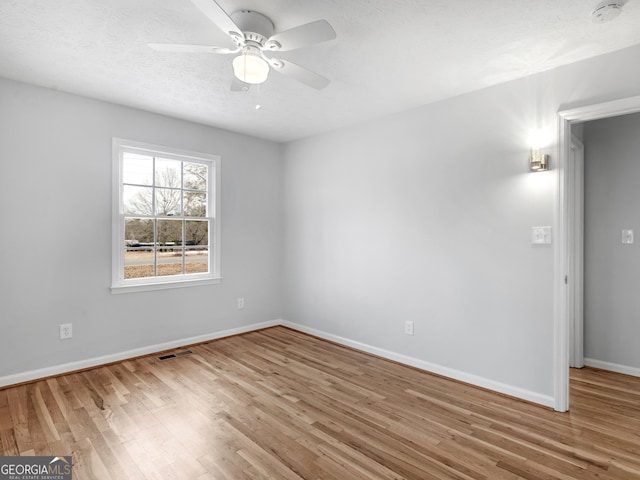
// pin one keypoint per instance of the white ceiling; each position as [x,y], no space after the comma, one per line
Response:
[390,55]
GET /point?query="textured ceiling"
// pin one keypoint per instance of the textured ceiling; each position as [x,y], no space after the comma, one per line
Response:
[390,55]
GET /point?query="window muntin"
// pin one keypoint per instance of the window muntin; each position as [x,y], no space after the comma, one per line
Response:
[166,230]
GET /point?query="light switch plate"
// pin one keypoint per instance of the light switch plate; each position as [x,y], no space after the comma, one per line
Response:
[627,237]
[541,235]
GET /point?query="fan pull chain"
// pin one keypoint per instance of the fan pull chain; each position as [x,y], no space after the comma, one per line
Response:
[258,106]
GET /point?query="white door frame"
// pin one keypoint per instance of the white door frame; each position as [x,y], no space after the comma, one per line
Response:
[565,253]
[575,267]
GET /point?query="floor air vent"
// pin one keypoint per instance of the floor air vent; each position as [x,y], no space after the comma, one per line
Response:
[169,356]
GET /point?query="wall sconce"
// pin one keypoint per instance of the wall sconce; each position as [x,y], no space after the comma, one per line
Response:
[538,161]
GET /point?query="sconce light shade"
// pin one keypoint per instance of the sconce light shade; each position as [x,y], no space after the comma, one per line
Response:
[250,68]
[538,162]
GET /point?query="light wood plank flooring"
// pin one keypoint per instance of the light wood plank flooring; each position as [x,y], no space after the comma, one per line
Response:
[279,404]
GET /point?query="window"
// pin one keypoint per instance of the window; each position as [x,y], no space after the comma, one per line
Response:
[165,217]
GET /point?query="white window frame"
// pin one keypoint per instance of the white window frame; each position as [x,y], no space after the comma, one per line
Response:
[118,283]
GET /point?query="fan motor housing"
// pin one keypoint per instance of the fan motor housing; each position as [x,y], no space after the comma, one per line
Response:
[255,26]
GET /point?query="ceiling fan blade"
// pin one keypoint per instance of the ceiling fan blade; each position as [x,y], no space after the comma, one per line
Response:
[299,73]
[301,36]
[175,47]
[219,17]
[238,85]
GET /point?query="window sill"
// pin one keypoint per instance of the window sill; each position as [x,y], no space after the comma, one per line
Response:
[149,287]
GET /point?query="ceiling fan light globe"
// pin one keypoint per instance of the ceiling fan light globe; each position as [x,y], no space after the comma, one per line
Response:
[250,69]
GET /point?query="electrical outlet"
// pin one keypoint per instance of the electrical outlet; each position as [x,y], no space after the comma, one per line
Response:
[408,327]
[66,331]
[240,303]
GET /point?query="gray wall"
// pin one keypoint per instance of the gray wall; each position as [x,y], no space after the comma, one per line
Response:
[55,211]
[421,216]
[612,270]
[426,216]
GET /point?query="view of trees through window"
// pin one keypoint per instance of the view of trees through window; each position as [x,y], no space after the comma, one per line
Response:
[166,224]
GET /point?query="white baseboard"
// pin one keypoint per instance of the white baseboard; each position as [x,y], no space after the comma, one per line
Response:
[612,367]
[116,357]
[397,357]
[476,380]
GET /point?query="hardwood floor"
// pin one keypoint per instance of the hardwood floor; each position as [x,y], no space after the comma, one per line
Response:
[279,404]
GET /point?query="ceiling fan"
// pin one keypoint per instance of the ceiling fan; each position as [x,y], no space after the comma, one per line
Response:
[253,35]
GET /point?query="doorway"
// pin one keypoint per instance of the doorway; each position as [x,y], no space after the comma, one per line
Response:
[568,264]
